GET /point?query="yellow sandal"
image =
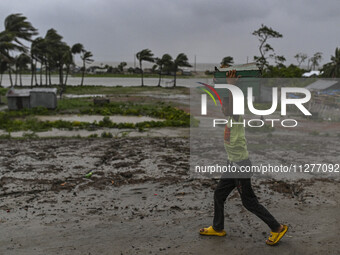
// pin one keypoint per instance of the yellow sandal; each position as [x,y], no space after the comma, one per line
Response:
[211,232]
[275,237]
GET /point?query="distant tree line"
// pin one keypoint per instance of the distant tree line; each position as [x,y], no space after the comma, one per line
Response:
[267,53]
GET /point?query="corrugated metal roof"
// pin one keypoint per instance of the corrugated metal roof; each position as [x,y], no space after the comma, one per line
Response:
[26,92]
[321,84]
[243,67]
[46,90]
[18,93]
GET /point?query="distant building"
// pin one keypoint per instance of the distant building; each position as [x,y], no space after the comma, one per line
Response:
[186,71]
[147,70]
[96,70]
[311,74]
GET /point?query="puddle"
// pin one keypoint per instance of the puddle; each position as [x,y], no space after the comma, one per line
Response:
[154,132]
[83,96]
[97,118]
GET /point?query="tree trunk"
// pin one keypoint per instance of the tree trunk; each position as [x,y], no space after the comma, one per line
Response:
[141,68]
[46,73]
[67,72]
[160,77]
[175,77]
[35,73]
[82,77]
[20,78]
[1,80]
[10,76]
[61,81]
[41,65]
[49,76]
[16,76]
[32,73]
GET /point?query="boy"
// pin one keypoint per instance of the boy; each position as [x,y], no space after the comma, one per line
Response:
[236,147]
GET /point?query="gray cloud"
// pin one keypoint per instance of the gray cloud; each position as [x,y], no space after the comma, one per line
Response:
[115,30]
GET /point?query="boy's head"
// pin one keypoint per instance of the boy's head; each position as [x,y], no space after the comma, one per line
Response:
[227,105]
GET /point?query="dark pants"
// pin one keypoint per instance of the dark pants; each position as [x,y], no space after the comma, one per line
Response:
[249,200]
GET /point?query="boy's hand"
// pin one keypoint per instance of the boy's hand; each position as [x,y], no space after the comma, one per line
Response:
[231,77]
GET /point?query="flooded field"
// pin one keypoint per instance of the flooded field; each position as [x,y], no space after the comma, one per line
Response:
[97,118]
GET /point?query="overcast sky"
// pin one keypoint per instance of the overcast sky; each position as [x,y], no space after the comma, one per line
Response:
[115,30]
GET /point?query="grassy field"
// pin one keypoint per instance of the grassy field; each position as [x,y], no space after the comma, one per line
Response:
[167,113]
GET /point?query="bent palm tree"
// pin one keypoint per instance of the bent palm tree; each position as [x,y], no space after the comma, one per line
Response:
[227,61]
[77,49]
[181,60]
[21,62]
[87,59]
[144,55]
[17,28]
[161,62]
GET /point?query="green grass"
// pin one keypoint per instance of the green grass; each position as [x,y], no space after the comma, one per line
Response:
[117,90]
[3,91]
[25,119]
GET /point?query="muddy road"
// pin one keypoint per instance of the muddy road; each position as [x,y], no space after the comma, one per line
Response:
[142,198]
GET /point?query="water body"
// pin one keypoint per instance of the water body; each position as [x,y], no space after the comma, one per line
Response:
[114,81]
[97,118]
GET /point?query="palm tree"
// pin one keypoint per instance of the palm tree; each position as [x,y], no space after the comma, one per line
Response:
[144,55]
[21,63]
[181,60]
[121,66]
[68,61]
[77,48]
[332,69]
[39,54]
[55,48]
[227,61]
[87,59]
[3,67]
[17,28]
[161,62]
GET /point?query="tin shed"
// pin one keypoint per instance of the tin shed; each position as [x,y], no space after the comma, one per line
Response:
[18,99]
[29,98]
[45,97]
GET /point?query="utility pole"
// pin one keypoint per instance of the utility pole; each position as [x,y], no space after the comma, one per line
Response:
[134,60]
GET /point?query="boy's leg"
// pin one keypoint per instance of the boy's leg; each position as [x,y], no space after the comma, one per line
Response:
[250,202]
[223,189]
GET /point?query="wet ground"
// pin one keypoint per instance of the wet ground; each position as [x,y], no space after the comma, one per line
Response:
[142,198]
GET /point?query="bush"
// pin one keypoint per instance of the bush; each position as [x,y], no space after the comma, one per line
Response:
[106,135]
